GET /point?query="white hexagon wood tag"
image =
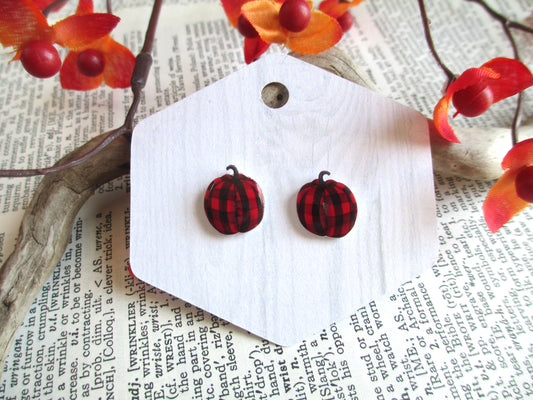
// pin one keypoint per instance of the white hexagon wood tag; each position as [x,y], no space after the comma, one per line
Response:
[280,281]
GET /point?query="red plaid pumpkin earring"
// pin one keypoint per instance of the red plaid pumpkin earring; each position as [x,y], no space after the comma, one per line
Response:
[234,203]
[326,208]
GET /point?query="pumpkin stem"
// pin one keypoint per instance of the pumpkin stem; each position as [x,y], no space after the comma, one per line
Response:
[235,171]
[321,177]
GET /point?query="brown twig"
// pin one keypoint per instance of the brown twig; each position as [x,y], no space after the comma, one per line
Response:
[501,18]
[506,26]
[427,33]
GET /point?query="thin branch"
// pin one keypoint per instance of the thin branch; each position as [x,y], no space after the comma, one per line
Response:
[506,26]
[143,64]
[425,22]
[517,119]
[18,173]
[518,110]
[504,20]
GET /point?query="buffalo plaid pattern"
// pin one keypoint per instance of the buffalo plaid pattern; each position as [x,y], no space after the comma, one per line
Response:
[326,208]
[234,203]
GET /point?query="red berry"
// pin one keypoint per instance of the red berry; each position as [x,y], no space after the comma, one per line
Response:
[524,184]
[246,28]
[294,15]
[345,21]
[40,59]
[473,100]
[90,62]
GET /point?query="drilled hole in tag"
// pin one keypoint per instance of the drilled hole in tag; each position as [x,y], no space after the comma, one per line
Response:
[275,95]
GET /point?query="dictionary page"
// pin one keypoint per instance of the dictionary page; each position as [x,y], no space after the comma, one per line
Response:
[462,329]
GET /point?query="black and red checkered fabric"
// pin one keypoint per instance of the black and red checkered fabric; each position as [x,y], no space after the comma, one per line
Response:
[326,208]
[234,203]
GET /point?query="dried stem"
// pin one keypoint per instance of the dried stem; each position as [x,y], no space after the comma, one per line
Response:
[106,139]
[427,33]
[506,26]
[518,110]
[142,66]
[501,18]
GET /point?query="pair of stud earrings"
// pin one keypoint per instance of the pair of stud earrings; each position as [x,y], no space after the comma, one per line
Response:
[235,203]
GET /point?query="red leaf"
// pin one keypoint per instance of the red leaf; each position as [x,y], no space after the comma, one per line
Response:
[119,63]
[20,22]
[502,202]
[514,77]
[71,77]
[504,77]
[472,76]
[254,48]
[519,156]
[78,31]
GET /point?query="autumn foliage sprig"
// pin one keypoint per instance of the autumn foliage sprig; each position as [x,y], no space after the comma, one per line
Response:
[472,93]
[93,56]
[292,23]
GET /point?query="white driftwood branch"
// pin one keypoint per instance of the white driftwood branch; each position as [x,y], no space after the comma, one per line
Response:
[478,156]
[46,228]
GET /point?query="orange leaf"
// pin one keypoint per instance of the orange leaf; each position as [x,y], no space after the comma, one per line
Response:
[71,77]
[520,155]
[502,202]
[264,16]
[336,8]
[119,63]
[78,31]
[322,33]
[514,77]
[20,22]
[440,119]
